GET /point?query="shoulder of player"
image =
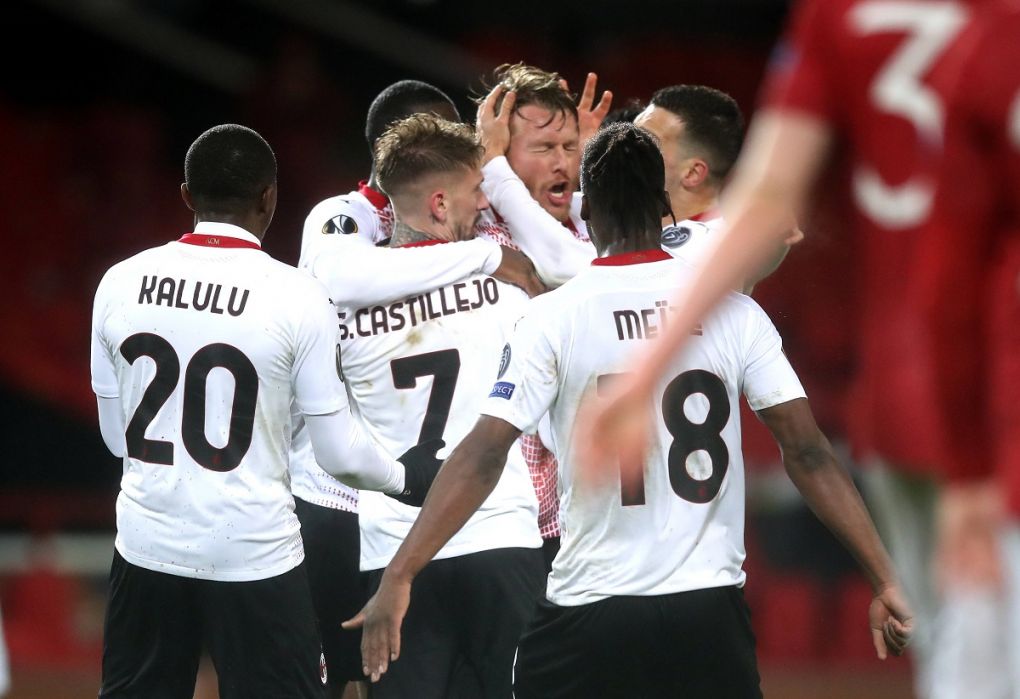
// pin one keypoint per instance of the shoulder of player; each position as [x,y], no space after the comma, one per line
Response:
[357,210]
[126,267]
[292,283]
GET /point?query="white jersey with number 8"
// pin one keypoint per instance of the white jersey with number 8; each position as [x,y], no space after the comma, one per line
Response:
[681,528]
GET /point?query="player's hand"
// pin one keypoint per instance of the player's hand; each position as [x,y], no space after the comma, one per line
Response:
[612,432]
[589,114]
[494,127]
[380,621]
[516,268]
[420,468]
[892,622]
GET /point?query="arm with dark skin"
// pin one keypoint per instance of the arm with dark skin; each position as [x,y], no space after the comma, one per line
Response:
[831,495]
[468,477]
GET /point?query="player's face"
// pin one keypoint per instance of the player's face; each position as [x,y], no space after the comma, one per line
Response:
[668,128]
[465,203]
[544,154]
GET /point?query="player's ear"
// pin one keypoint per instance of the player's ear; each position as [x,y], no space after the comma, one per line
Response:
[438,205]
[186,196]
[695,172]
[267,201]
[585,213]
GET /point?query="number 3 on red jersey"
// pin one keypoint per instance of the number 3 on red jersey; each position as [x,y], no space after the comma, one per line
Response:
[899,89]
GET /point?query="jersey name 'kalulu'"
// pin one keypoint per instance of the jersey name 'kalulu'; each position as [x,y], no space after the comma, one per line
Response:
[205,491]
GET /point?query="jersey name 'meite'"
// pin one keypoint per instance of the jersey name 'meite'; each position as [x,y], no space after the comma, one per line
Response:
[681,528]
[206,400]
[428,379]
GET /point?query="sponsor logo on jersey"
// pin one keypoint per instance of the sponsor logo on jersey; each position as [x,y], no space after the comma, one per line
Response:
[504,361]
[342,224]
[675,236]
[322,667]
[502,389]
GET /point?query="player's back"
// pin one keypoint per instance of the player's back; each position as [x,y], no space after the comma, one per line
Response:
[864,68]
[682,527]
[204,341]
[419,369]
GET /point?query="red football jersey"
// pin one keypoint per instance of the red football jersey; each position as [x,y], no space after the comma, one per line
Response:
[864,68]
[972,251]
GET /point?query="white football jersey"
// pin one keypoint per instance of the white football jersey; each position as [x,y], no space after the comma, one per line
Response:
[418,369]
[207,345]
[682,528]
[338,248]
[364,215]
[691,240]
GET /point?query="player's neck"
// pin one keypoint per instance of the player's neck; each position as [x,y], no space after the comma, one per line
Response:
[404,234]
[249,223]
[618,244]
[688,204]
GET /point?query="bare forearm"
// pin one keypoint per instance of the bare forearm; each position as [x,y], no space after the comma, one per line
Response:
[834,499]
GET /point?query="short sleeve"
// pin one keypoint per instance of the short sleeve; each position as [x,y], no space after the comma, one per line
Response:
[528,379]
[768,377]
[104,372]
[318,389]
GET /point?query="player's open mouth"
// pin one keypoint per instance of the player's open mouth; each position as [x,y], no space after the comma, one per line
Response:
[558,194]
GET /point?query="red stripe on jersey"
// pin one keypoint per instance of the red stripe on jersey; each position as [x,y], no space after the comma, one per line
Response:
[423,243]
[632,258]
[217,241]
[708,215]
[377,198]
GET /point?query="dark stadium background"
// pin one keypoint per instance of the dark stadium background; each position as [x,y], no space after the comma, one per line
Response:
[99,100]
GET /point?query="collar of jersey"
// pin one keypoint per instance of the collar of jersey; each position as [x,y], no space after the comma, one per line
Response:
[424,243]
[225,229]
[632,258]
[707,215]
[375,197]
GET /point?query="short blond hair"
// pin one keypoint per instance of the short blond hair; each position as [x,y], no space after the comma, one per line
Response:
[421,145]
[534,86]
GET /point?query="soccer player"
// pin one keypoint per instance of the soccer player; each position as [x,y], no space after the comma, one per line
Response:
[644,597]
[530,126]
[339,248]
[853,73]
[700,130]
[972,294]
[199,348]
[414,370]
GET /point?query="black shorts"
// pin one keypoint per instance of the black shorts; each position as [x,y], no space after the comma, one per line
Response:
[550,547]
[261,635]
[693,645]
[460,634]
[332,556]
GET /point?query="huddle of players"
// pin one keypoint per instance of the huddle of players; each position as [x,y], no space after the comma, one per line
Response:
[424,329]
